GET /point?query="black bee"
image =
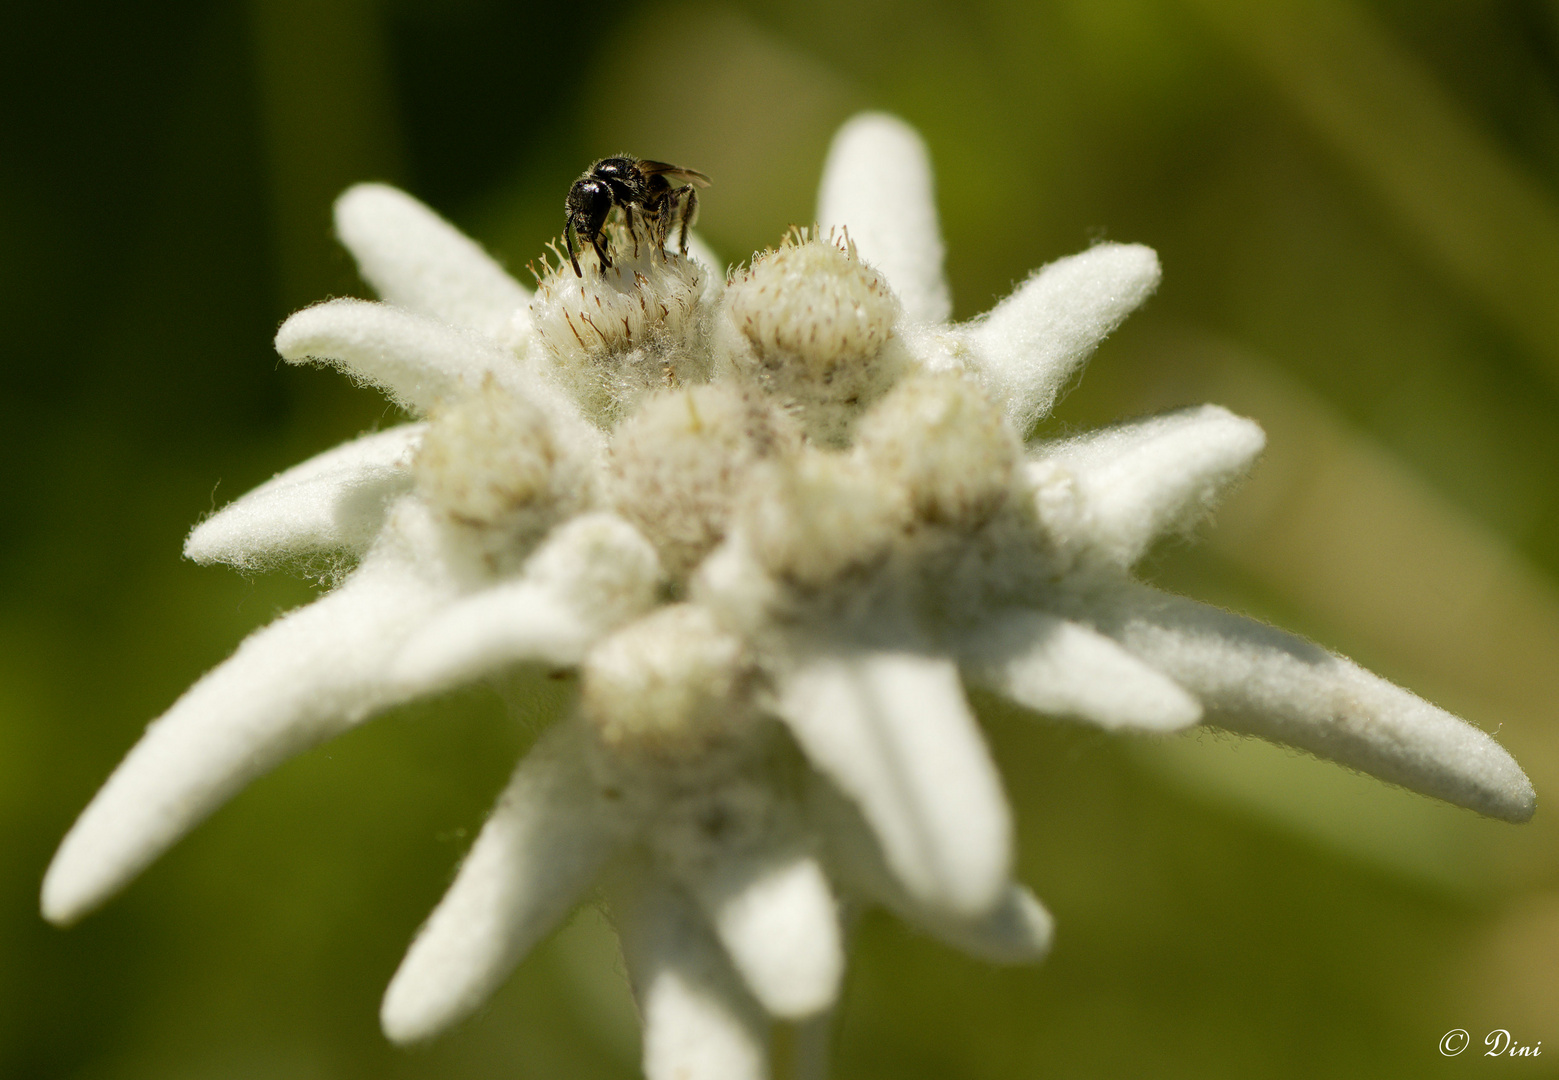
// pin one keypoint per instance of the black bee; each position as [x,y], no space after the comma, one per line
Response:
[629,183]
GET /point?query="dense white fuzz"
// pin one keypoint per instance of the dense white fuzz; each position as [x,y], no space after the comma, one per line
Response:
[679,465]
[416,360]
[1109,494]
[1260,681]
[306,677]
[776,916]
[941,442]
[699,1024]
[892,729]
[492,462]
[416,260]
[419,362]
[1033,342]
[1054,666]
[614,335]
[668,688]
[333,502]
[877,184]
[813,325]
[539,851]
[1016,930]
[587,578]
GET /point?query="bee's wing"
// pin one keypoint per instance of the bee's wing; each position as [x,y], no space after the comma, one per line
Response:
[674,172]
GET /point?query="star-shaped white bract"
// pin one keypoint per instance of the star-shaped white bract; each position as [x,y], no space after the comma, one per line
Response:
[775,525]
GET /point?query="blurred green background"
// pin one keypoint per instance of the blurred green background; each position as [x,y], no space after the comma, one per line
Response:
[1357,206]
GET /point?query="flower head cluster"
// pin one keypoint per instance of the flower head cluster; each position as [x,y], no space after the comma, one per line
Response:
[772,524]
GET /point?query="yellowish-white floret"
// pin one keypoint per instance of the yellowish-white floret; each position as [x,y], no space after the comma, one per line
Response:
[941,441]
[821,518]
[672,687]
[613,335]
[491,462]
[678,466]
[813,325]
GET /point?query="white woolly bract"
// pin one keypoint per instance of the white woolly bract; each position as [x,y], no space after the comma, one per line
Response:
[334,501]
[1016,930]
[1058,667]
[415,360]
[303,679]
[1258,680]
[540,849]
[588,577]
[416,260]
[1109,494]
[701,253]
[1032,343]
[699,1024]
[892,729]
[420,362]
[877,184]
[776,916]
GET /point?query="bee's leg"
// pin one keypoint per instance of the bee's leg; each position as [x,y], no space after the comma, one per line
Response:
[632,229]
[689,213]
[649,213]
[568,240]
[600,252]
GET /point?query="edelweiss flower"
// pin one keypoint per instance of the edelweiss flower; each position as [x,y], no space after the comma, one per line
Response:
[773,525]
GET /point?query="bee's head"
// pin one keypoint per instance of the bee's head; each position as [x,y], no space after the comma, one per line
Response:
[589,202]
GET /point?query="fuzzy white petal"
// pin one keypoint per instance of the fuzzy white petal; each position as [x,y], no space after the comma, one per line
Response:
[1111,493]
[590,576]
[419,362]
[310,675]
[1052,665]
[416,260]
[539,851]
[334,501]
[777,919]
[412,358]
[878,184]
[1257,680]
[1029,345]
[508,623]
[893,730]
[1017,930]
[698,1022]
